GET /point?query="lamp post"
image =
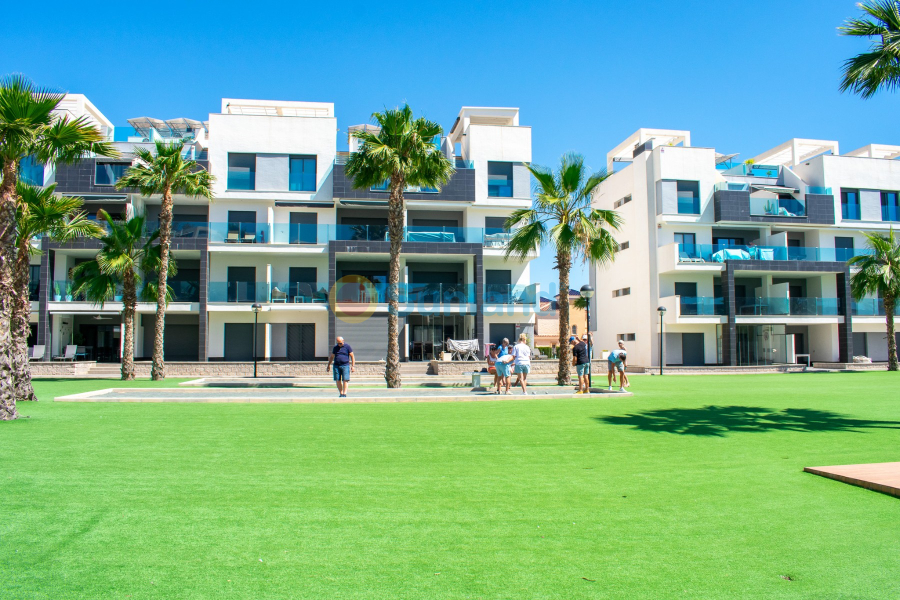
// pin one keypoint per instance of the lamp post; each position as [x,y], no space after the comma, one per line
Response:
[587,292]
[256,308]
[662,317]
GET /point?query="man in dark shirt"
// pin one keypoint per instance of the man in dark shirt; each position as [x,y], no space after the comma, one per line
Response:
[344,364]
[582,364]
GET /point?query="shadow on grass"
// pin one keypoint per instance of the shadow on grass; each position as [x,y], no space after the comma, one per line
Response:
[718,421]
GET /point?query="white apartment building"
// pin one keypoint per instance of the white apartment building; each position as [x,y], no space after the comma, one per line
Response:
[287,231]
[749,259]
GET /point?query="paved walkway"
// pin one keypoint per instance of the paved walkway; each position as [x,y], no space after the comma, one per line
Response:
[316,395]
[880,477]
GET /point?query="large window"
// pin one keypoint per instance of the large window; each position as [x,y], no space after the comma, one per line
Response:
[686,240]
[843,248]
[241,171]
[500,176]
[890,206]
[109,173]
[31,172]
[850,205]
[688,197]
[303,174]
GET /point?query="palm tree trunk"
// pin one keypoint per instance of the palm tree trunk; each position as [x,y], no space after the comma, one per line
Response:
[564,264]
[129,295]
[890,303]
[20,325]
[8,201]
[395,229]
[158,371]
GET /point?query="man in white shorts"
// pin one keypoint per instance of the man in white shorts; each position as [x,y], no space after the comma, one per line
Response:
[522,356]
[616,362]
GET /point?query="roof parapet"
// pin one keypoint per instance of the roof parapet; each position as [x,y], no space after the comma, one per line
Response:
[795,151]
[876,151]
[624,152]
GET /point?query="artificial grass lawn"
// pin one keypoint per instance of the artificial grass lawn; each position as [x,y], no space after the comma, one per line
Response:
[653,496]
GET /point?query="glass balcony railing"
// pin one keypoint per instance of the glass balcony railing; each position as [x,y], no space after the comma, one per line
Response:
[868,307]
[775,207]
[804,307]
[825,191]
[704,306]
[239,233]
[699,253]
[298,292]
[753,170]
[185,291]
[183,229]
[510,294]
[500,189]
[238,291]
[296,233]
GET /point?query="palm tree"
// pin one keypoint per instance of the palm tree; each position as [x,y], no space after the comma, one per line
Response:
[29,127]
[41,212]
[402,153]
[879,68]
[166,173]
[124,250]
[879,273]
[561,216]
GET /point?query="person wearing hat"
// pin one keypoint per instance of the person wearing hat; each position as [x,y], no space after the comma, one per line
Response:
[582,364]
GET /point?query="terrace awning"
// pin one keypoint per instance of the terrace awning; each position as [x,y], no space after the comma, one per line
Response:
[775,189]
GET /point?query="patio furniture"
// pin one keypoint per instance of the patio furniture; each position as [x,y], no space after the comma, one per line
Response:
[496,240]
[279,296]
[249,238]
[37,353]
[463,349]
[730,254]
[81,353]
[685,257]
[68,355]
[233,236]
[430,236]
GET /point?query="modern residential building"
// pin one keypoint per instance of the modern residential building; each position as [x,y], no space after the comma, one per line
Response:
[546,330]
[288,231]
[749,259]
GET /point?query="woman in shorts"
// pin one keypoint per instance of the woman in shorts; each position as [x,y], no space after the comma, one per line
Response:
[504,367]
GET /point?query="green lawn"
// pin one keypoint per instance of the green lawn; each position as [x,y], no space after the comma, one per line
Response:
[690,489]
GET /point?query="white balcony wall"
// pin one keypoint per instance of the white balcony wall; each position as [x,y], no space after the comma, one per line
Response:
[498,143]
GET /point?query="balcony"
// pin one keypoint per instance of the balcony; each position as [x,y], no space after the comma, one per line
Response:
[239,233]
[510,294]
[238,291]
[802,307]
[777,207]
[183,229]
[737,205]
[706,253]
[461,186]
[693,309]
[869,307]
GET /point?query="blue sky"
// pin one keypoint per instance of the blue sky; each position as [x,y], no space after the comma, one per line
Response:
[742,77]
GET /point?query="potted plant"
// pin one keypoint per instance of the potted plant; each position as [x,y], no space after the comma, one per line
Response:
[57,292]
[70,287]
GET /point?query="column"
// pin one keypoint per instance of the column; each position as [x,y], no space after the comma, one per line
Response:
[845,329]
[479,296]
[43,330]
[729,330]
[203,314]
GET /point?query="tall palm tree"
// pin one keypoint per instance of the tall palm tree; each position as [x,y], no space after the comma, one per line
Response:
[29,127]
[41,212]
[561,216]
[402,153]
[124,250]
[879,68]
[165,173]
[879,273]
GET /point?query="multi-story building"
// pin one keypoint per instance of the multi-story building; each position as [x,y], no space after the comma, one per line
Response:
[287,231]
[749,259]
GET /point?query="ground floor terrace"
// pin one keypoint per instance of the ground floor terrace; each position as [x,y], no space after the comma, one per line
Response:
[674,492]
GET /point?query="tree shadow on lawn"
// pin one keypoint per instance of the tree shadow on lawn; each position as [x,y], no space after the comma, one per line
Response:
[718,421]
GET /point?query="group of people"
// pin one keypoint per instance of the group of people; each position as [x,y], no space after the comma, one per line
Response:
[505,360]
[615,362]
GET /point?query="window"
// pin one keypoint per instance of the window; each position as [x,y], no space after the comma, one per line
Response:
[622,201]
[625,337]
[850,205]
[495,225]
[574,329]
[109,173]
[241,171]
[303,229]
[843,248]
[890,206]
[303,174]
[688,197]
[623,246]
[34,283]
[727,242]
[384,186]
[500,180]
[30,171]
[242,227]
[622,292]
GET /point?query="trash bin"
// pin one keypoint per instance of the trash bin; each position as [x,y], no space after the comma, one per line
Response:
[476,379]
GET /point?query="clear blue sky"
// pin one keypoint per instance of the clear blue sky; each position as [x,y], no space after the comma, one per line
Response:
[742,77]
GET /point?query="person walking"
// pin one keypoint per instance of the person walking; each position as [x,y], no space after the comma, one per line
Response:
[521,353]
[582,364]
[616,362]
[492,366]
[344,364]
